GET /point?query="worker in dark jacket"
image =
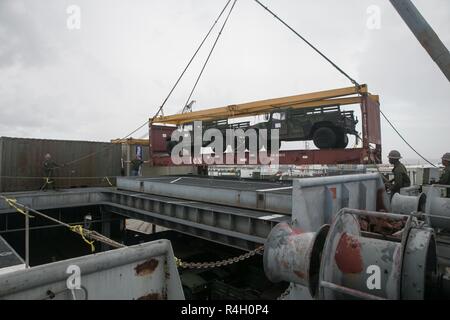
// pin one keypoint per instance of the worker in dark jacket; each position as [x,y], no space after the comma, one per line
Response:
[445,177]
[135,166]
[401,178]
[49,172]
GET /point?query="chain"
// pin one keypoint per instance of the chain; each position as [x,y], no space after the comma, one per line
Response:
[216,264]
[285,293]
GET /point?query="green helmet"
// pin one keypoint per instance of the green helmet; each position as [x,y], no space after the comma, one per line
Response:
[446,156]
[394,154]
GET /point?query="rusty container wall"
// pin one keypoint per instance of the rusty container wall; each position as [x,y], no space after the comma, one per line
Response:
[21,163]
[158,137]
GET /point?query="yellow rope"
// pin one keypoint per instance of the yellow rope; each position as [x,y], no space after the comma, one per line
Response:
[109,182]
[79,229]
[13,204]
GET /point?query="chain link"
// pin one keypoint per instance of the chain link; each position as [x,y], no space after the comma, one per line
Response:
[285,293]
[216,264]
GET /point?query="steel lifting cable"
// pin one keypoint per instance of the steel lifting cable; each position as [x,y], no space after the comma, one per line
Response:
[170,92]
[210,53]
[308,43]
[192,59]
[404,140]
[344,73]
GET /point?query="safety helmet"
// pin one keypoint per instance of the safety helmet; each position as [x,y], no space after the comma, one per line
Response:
[446,156]
[394,154]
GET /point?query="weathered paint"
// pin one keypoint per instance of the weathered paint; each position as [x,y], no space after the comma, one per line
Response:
[407,267]
[294,256]
[151,296]
[348,254]
[147,267]
[107,275]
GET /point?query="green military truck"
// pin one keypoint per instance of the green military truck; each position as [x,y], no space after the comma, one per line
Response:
[327,127]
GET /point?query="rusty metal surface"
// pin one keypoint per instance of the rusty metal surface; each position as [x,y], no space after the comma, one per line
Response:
[370,110]
[21,163]
[317,200]
[158,136]
[372,107]
[294,256]
[147,267]
[142,272]
[407,263]
[299,157]
[348,255]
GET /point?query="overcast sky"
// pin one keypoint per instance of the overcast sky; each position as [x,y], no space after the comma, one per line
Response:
[101,81]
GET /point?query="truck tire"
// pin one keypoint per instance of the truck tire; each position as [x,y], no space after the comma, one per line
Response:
[325,138]
[342,142]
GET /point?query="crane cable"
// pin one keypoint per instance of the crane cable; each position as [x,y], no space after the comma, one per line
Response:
[210,53]
[407,143]
[192,59]
[345,74]
[170,92]
[308,43]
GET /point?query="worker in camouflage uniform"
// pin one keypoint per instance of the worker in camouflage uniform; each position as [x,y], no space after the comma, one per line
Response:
[401,178]
[49,172]
[445,177]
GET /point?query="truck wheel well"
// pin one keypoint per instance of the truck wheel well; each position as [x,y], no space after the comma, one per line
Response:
[318,125]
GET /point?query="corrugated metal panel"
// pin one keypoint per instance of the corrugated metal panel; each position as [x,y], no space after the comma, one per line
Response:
[21,166]
[158,137]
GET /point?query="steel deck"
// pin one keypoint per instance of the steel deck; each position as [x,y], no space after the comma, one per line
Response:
[237,227]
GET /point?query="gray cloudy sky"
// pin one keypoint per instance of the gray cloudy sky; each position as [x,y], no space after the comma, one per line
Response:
[102,81]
